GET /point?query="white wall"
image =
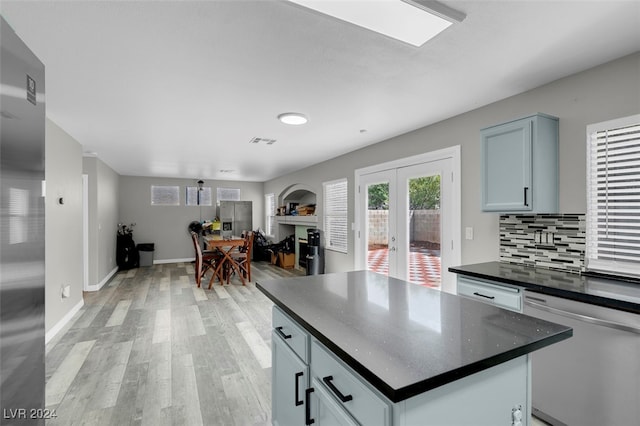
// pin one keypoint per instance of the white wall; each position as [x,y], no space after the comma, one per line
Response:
[604,92]
[166,226]
[103,219]
[63,224]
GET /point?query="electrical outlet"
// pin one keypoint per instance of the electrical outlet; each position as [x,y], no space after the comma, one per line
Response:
[65,291]
[544,239]
[516,416]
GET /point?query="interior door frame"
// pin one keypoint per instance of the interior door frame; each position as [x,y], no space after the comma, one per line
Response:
[452,153]
[85,232]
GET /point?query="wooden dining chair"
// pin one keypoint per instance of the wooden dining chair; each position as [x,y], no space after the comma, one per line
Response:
[243,256]
[204,262]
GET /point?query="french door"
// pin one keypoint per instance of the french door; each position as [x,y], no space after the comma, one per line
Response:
[406,221]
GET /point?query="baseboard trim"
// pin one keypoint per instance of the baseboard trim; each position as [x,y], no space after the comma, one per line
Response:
[103,282]
[60,325]
[187,259]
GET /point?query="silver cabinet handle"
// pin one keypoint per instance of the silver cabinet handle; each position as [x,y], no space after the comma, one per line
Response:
[584,318]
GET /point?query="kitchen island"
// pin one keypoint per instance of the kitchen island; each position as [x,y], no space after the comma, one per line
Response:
[363,348]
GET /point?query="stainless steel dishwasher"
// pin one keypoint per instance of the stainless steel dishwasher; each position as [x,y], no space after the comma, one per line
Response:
[592,378]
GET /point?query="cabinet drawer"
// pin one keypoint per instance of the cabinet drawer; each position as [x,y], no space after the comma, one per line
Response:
[291,333]
[364,405]
[493,294]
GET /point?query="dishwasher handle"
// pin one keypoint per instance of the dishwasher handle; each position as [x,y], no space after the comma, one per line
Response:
[584,318]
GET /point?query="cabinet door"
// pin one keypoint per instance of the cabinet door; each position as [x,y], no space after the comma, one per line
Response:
[290,379]
[325,410]
[506,167]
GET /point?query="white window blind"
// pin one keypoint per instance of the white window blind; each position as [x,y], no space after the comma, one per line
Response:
[198,196]
[270,213]
[613,196]
[335,215]
[165,195]
[228,194]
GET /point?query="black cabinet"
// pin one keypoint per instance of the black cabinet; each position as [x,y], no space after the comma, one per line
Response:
[127,255]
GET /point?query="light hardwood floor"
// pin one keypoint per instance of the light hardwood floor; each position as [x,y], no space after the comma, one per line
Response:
[150,348]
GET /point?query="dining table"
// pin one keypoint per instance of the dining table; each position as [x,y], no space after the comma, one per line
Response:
[226,246]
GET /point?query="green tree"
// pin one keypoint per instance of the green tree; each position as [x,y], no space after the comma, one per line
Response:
[424,193]
[379,196]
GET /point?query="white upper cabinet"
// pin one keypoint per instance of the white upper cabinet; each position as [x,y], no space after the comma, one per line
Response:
[520,166]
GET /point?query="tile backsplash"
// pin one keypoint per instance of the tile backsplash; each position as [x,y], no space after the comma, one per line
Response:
[552,241]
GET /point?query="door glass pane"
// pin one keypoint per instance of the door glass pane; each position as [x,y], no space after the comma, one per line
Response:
[378,228]
[424,230]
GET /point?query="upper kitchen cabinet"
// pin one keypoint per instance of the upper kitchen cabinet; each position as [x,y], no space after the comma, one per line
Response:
[520,165]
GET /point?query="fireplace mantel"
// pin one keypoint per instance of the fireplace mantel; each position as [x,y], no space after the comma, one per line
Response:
[297,220]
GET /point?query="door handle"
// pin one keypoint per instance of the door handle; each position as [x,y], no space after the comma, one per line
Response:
[307,410]
[282,334]
[525,196]
[298,375]
[328,381]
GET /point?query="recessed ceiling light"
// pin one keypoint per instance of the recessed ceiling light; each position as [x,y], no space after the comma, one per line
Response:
[293,118]
[411,21]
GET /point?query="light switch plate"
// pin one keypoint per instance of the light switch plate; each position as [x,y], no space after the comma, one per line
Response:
[468,233]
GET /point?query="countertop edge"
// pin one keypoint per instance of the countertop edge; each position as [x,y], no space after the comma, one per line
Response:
[404,393]
[592,299]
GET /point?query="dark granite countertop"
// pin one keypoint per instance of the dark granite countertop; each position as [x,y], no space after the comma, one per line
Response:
[403,338]
[618,294]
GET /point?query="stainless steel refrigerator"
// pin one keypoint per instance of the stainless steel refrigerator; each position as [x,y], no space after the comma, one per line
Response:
[240,213]
[22,268]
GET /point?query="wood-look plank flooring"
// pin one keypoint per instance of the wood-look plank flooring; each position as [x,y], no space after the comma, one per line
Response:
[150,348]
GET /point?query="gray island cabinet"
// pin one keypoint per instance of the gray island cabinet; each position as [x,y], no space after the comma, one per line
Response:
[359,348]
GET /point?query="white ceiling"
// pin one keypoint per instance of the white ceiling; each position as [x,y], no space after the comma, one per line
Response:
[178,89]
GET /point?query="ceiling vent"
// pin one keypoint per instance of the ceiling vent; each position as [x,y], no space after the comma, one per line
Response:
[263,140]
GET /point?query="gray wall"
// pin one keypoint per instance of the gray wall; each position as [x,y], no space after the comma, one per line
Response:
[103,219]
[604,92]
[166,226]
[63,230]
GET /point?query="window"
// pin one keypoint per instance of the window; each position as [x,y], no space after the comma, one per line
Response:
[228,194]
[270,213]
[613,196]
[198,198]
[165,195]
[335,215]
